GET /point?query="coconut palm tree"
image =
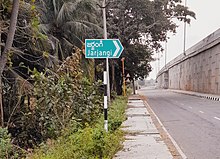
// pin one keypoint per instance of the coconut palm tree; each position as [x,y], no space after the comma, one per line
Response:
[68,22]
[65,23]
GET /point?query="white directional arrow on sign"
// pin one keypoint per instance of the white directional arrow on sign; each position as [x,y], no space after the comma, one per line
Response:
[117,48]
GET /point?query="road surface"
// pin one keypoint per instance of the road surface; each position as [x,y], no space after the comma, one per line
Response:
[193,122]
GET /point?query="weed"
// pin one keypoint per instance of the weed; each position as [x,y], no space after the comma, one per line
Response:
[91,142]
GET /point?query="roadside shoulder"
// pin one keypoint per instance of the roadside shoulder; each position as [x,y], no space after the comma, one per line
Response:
[175,150]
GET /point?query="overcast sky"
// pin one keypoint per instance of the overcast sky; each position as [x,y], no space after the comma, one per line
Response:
[207,21]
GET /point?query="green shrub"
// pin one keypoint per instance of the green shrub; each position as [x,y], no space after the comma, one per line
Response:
[91,142]
[59,97]
[58,102]
[116,113]
[5,143]
[7,149]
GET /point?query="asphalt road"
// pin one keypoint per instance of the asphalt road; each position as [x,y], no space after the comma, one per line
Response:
[193,122]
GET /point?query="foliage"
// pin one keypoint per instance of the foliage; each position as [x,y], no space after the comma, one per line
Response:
[67,23]
[116,113]
[35,48]
[90,142]
[141,26]
[45,91]
[29,51]
[57,99]
[138,65]
[7,149]
[145,21]
[5,143]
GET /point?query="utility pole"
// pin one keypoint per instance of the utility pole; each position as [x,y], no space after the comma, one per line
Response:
[184,32]
[105,37]
[158,61]
[115,48]
[165,53]
[106,74]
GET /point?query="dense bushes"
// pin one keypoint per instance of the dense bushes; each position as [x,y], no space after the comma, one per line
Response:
[57,100]
[44,86]
[89,142]
[7,149]
[5,143]
[64,117]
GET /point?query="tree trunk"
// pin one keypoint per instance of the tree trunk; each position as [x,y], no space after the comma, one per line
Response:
[118,81]
[1,26]
[113,88]
[133,85]
[8,44]
[1,105]
[10,37]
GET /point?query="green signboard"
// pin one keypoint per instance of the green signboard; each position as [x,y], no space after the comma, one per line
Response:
[103,48]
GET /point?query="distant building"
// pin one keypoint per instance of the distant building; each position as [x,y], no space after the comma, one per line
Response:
[146,83]
[150,82]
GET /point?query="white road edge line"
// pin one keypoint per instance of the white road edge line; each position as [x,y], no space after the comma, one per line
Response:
[201,112]
[172,140]
[190,107]
[217,118]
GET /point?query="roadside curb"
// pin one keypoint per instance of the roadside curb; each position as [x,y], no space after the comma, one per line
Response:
[206,96]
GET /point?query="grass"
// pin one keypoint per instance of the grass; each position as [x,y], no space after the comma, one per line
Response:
[92,142]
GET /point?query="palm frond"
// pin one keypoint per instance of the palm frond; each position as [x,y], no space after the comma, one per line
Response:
[44,28]
[66,9]
[67,42]
[64,13]
[76,41]
[93,25]
[55,8]
[77,27]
